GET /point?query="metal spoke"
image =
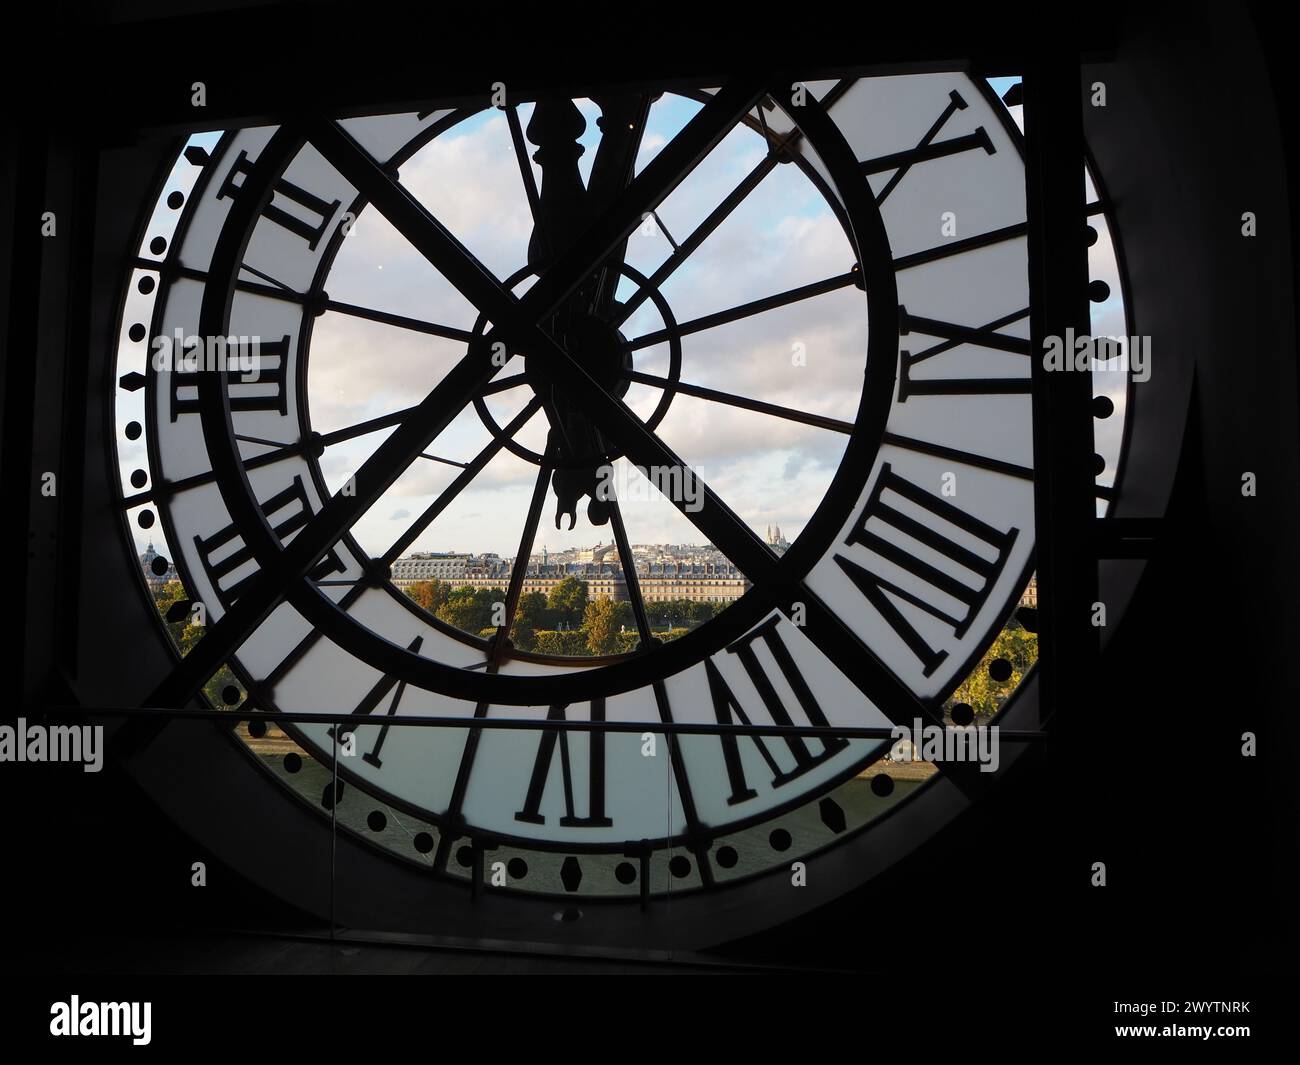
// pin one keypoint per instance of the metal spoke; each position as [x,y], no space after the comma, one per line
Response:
[622,124]
[682,252]
[445,462]
[499,650]
[401,321]
[526,174]
[384,421]
[472,469]
[747,310]
[278,291]
[170,488]
[697,237]
[278,444]
[629,575]
[699,391]
[504,384]
[409,217]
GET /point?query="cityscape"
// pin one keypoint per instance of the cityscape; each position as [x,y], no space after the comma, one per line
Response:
[665,572]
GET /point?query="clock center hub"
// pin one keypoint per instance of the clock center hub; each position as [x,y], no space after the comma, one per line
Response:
[578,450]
[598,348]
[603,352]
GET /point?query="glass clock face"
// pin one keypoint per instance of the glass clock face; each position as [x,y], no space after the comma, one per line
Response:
[817,320]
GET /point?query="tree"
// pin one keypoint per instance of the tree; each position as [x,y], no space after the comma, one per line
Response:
[623,615]
[487,599]
[667,611]
[532,610]
[429,594]
[523,634]
[699,612]
[531,615]
[570,642]
[163,598]
[464,612]
[186,634]
[980,691]
[569,601]
[602,631]
[677,612]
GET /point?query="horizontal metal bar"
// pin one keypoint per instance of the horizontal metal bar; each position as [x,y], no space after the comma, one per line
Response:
[681,728]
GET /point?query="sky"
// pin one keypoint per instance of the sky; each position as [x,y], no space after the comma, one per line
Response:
[771,471]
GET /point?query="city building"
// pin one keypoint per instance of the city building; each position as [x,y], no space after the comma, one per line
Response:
[702,581]
[706,582]
[776,541]
[429,566]
[155,580]
[1030,595]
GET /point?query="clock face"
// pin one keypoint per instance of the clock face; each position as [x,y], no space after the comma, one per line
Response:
[807,309]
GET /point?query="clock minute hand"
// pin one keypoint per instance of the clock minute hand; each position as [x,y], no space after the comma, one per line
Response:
[622,126]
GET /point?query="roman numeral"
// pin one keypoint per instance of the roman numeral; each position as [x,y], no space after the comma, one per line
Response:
[320,211]
[727,709]
[367,706]
[550,739]
[953,335]
[295,510]
[245,395]
[927,149]
[878,515]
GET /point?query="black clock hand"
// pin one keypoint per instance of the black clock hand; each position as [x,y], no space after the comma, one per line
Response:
[562,212]
[562,208]
[622,127]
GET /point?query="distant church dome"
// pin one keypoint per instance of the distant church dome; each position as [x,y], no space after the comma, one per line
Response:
[775,540]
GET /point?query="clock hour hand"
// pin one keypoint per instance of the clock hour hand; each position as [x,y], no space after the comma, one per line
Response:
[565,209]
[562,209]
